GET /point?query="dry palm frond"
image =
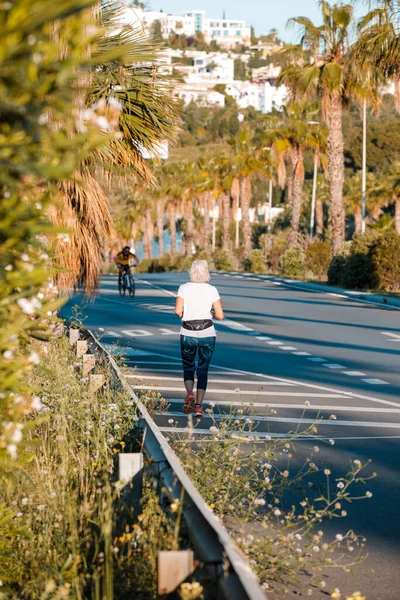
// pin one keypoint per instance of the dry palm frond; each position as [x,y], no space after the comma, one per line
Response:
[83,211]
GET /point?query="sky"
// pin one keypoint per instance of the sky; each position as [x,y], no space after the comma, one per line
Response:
[262,14]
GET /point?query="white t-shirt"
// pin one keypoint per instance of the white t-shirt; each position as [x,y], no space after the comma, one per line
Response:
[198,299]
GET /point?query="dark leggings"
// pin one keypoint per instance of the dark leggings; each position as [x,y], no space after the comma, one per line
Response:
[205,347]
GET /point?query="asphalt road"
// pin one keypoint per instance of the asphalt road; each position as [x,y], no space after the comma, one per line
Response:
[284,347]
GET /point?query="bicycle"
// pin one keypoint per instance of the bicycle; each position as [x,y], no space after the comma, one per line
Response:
[126,282]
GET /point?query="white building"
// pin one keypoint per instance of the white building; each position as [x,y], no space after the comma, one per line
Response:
[213,66]
[264,97]
[203,96]
[226,32]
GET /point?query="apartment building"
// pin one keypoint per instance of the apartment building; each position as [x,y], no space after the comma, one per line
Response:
[226,32]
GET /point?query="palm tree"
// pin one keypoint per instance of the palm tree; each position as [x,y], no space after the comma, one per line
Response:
[126,93]
[379,42]
[320,64]
[293,135]
[248,160]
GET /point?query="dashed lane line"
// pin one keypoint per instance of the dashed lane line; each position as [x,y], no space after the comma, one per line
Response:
[355,373]
[316,359]
[374,381]
[334,366]
[261,436]
[242,392]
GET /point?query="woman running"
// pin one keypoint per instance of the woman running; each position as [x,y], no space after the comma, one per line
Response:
[196,299]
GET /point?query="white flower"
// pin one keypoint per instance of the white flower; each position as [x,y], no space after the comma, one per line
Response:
[340,485]
[277,512]
[248,421]
[212,404]
[268,437]
[344,513]
[26,306]
[8,268]
[357,462]
[237,390]
[298,536]
[333,417]
[339,537]
[316,449]
[285,474]
[19,514]
[12,450]
[315,548]
[24,501]
[36,403]
[8,354]
[327,472]
[259,501]
[34,358]
[267,480]
[41,506]
[332,442]
[16,436]
[214,429]
[306,403]
[368,494]
[171,421]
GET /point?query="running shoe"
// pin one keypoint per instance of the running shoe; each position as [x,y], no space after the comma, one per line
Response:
[198,410]
[188,405]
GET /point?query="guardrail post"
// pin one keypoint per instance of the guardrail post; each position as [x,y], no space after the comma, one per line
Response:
[89,361]
[130,473]
[174,566]
[81,348]
[96,382]
[73,336]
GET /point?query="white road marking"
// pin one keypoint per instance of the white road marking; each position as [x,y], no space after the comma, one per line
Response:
[168,332]
[245,392]
[334,366]
[262,338]
[159,288]
[236,326]
[269,383]
[287,348]
[320,423]
[374,381]
[261,437]
[317,359]
[275,343]
[211,372]
[125,350]
[315,407]
[355,373]
[302,353]
[335,295]
[136,332]
[113,333]
[396,336]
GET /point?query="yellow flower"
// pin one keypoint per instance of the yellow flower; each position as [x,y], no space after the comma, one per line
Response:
[212,505]
[356,596]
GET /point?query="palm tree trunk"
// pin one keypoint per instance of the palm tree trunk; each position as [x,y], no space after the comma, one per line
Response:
[396,82]
[172,226]
[226,217]
[297,193]
[245,197]
[397,215]
[148,234]
[333,113]
[376,212]
[358,218]
[206,228]
[189,228]
[160,225]
[319,217]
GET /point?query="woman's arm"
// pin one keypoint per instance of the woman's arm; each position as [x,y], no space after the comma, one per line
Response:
[218,311]
[179,307]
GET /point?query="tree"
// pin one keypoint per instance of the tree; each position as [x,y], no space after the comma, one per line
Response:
[320,65]
[293,135]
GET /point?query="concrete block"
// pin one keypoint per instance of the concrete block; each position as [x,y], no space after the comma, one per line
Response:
[96,382]
[174,567]
[89,361]
[81,348]
[74,335]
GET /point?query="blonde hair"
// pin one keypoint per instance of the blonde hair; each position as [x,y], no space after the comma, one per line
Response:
[198,272]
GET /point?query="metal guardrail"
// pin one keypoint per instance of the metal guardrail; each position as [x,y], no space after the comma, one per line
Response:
[211,541]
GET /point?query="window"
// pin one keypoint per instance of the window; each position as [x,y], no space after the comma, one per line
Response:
[226,32]
[216,32]
[238,33]
[224,24]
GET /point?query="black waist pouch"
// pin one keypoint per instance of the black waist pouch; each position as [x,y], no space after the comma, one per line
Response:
[199,325]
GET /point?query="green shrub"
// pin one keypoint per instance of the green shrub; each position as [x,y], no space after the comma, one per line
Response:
[385,260]
[146,266]
[317,259]
[203,255]
[336,267]
[222,261]
[255,262]
[183,263]
[291,263]
[357,272]
[361,243]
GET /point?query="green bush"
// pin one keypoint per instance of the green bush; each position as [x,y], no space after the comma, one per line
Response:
[146,266]
[317,259]
[222,261]
[385,260]
[357,272]
[291,263]
[255,262]
[336,267]
[203,255]
[183,263]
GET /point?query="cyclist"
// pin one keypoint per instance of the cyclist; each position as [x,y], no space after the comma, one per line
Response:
[122,260]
